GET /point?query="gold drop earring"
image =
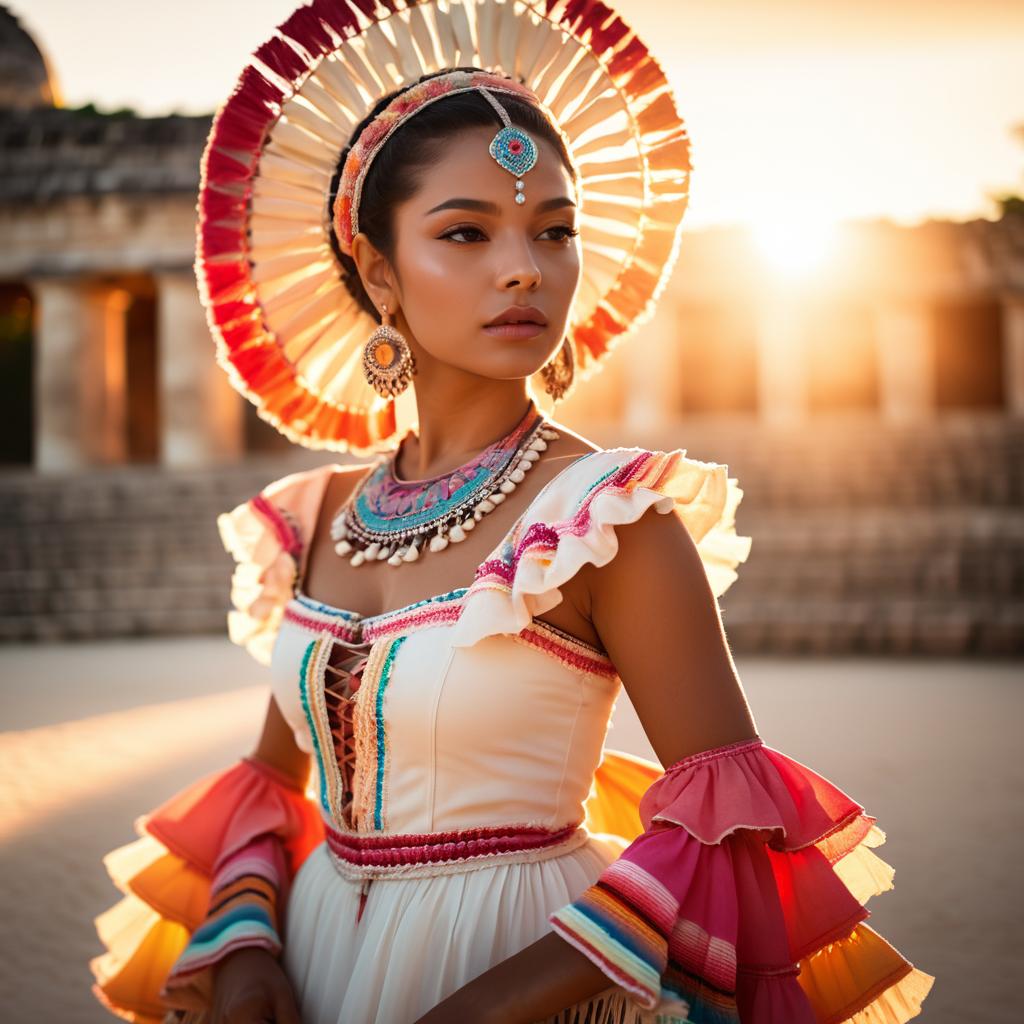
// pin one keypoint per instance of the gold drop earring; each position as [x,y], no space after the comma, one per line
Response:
[558,374]
[388,362]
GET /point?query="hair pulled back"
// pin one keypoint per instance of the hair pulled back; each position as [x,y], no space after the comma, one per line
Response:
[397,169]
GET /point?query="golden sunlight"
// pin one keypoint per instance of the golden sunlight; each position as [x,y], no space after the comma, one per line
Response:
[795,246]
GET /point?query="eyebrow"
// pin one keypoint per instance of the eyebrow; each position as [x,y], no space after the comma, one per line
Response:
[482,206]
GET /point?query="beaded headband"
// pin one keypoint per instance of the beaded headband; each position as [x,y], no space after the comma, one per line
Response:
[512,148]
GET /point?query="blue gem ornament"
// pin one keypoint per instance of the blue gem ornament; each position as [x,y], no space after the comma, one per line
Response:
[516,152]
[512,148]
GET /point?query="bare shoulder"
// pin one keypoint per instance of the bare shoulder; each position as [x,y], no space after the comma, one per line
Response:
[570,443]
[349,475]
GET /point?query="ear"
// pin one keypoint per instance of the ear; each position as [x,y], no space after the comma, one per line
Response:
[375,272]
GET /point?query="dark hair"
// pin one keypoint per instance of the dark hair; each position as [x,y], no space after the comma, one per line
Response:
[394,175]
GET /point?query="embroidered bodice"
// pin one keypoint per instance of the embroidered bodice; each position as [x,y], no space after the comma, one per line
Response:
[463,735]
[469,710]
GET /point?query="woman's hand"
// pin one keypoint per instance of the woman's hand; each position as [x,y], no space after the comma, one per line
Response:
[250,987]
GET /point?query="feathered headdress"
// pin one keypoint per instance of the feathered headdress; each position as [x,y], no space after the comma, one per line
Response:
[288,332]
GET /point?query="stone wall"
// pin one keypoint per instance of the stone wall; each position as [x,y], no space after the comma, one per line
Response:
[867,539]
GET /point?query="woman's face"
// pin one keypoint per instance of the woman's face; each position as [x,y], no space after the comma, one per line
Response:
[466,251]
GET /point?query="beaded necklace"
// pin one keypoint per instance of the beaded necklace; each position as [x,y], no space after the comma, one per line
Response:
[387,519]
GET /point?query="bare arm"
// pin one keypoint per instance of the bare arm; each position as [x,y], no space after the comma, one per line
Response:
[277,746]
[655,612]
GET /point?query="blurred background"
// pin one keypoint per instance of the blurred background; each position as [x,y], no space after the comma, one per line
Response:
[844,329]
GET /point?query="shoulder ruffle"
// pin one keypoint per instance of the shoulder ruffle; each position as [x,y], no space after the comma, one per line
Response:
[573,519]
[167,875]
[743,899]
[267,536]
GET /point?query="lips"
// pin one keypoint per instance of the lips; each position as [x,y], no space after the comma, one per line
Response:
[519,315]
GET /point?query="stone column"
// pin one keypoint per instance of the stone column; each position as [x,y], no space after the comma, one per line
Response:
[1013,353]
[781,359]
[79,375]
[201,414]
[104,371]
[906,359]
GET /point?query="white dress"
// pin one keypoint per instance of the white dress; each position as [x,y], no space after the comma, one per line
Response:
[468,805]
[479,715]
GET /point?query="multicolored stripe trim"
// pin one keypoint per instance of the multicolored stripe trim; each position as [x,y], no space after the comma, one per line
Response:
[243,909]
[620,938]
[353,628]
[361,855]
[431,611]
[314,704]
[372,746]
[571,652]
[621,923]
[316,618]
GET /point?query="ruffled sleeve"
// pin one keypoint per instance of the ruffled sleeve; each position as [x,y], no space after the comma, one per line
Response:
[743,900]
[572,522]
[267,536]
[209,874]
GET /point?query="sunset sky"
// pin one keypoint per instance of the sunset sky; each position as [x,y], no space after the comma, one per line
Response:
[799,111]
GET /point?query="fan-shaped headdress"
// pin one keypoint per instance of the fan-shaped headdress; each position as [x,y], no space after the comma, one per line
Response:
[288,332]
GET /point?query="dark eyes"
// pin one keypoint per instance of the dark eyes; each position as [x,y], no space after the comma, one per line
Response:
[561,232]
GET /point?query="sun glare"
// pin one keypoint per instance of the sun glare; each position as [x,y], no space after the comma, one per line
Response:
[795,247]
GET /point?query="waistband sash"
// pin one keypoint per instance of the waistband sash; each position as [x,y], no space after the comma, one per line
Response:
[361,856]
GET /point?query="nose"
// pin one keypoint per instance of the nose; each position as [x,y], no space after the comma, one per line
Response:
[520,270]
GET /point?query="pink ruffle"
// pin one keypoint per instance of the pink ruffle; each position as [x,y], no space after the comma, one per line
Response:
[731,898]
[750,785]
[747,789]
[215,817]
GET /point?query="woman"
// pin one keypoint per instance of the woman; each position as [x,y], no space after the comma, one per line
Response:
[465,852]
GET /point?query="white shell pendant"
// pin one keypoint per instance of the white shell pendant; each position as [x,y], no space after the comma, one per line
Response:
[353,539]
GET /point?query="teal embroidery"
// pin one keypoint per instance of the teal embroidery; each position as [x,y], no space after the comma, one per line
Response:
[385,676]
[597,483]
[356,617]
[304,695]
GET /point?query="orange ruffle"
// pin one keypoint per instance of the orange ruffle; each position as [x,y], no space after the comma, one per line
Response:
[166,875]
[613,804]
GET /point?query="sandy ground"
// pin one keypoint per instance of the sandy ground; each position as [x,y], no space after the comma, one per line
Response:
[95,734]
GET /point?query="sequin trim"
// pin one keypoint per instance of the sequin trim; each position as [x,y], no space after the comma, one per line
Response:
[337,623]
[359,856]
[572,653]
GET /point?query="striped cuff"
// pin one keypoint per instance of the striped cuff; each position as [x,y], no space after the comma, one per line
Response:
[613,923]
[243,910]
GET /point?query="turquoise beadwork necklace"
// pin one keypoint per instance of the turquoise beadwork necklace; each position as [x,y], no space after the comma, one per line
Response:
[392,520]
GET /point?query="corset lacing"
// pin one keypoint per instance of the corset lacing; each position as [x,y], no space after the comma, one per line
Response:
[342,678]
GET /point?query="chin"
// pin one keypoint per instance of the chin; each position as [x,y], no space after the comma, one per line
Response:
[515,360]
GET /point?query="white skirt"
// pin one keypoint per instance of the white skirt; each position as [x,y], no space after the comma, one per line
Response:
[422,938]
